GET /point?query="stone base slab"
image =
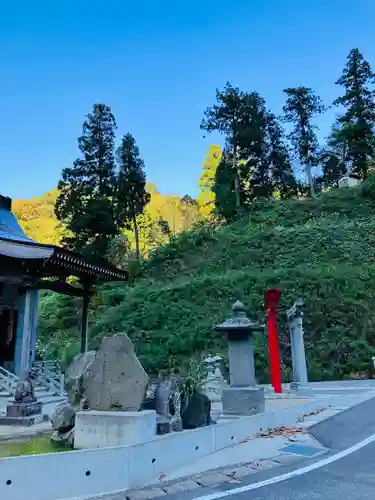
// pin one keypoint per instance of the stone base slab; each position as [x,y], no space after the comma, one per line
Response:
[243,401]
[301,390]
[101,429]
[24,409]
[22,421]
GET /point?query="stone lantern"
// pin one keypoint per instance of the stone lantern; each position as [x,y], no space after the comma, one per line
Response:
[243,397]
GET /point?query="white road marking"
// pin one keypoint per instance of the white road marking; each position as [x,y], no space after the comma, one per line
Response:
[289,475]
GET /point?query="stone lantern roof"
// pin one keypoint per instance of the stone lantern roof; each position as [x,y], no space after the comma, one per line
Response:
[239,322]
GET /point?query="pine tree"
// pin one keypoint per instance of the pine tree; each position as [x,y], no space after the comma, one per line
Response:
[356,125]
[84,205]
[283,179]
[131,194]
[300,108]
[206,198]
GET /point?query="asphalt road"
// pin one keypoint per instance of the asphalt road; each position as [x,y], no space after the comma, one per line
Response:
[349,478]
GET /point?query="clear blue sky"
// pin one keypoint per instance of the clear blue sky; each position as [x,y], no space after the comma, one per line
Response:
[157,64]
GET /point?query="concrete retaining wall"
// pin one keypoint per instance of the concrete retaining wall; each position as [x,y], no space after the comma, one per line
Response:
[90,472]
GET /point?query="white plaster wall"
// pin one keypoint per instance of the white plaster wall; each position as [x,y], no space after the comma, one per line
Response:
[63,475]
[230,433]
[147,461]
[347,181]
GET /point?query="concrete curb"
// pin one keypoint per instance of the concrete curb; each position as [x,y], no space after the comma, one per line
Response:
[86,473]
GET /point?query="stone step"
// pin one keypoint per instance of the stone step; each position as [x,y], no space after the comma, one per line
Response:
[45,395]
[52,399]
[41,388]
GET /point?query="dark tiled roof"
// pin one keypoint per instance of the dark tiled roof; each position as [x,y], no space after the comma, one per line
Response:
[16,244]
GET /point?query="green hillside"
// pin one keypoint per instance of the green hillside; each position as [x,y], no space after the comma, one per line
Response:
[322,250]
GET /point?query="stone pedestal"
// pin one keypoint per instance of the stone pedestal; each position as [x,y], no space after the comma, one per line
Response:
[243,401]
[163,425]
[24,414]
[100,429]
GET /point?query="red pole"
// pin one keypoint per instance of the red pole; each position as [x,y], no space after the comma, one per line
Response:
[271,301]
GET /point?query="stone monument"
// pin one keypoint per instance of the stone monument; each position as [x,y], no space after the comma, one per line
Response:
[25,409]
[294,316]
[115,380]
[114,385]
[243,397]
[74,378]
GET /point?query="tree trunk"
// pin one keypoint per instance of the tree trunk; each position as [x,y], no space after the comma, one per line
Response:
[237,183]
[311,182]
[136,235]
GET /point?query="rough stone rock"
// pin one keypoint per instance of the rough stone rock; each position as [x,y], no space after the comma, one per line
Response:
[65,439]
[74,376]
[197,412]
[63,418]
[115,379]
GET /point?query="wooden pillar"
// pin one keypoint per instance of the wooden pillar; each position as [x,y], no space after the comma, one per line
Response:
[26,335]
[85,323]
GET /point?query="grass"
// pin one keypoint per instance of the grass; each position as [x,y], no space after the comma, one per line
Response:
[34,446]
[321,249]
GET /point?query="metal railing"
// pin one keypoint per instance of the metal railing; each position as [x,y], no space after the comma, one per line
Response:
[8,380]
[50,376]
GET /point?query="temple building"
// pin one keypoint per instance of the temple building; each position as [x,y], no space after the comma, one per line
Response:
[26,267]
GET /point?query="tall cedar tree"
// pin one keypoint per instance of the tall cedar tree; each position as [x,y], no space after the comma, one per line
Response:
[283,178]
[224,188]
[84,205]
[332,158]
[356,125]
[131,196]
[225,117]
[253,147]
[300,108]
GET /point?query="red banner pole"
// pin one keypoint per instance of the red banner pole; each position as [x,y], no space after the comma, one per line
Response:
[272,298]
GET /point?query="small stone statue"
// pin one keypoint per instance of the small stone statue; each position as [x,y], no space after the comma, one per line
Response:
[175,399]
[162,394]
[25,392]
[162,397]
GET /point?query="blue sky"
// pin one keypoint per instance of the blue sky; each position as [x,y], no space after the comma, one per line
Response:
[157,64]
